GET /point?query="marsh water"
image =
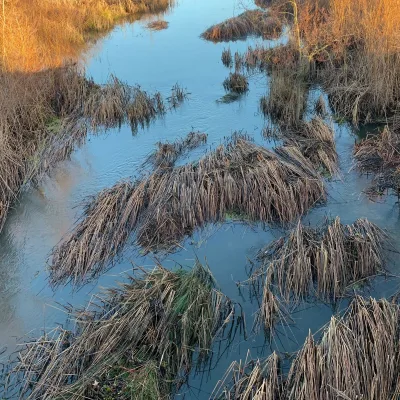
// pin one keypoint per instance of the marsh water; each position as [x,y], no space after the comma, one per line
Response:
[156,61]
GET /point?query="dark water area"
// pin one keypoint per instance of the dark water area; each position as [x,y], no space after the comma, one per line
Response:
[156,61]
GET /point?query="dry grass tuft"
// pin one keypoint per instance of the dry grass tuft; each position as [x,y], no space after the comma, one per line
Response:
[226,58]
[240,177]
[249,23]
[168,153]
[379,155]
[324,261]
[157,25]
[139,341]
[286,100]
[357,357]
[251,380]
[236,83]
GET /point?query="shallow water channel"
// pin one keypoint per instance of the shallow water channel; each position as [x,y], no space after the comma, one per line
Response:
[156,61]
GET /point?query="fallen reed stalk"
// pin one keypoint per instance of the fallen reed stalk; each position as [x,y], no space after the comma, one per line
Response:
[137,341]
[379,155]
[249,23]
[239,177]
[357,357]
[168,153]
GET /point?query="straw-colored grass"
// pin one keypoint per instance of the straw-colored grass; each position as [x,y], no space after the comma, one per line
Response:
[136,342]
[38,34]
[357,357]
[239,177]
[249,23]
[226,58]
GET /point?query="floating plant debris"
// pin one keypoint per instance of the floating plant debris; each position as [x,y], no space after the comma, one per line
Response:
[170,204]
[157,25]
[143,337]
[251,22]
[357,357]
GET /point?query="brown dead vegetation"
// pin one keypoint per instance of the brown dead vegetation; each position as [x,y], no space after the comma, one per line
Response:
[236,83]
[249,23]
[162,209]
[320,263]
[380,155]
[139,341]
[157,25]
[168,153]
[357,357]
[226,58]
[50,113]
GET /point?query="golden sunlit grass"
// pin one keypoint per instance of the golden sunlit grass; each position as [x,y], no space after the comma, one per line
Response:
[45,33]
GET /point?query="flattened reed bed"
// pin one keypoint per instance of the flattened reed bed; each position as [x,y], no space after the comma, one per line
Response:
[321,262]
[380,155]
[236,83]
[168,153]
[139,340]
[162,209]
[52,112]
[315,140]
[357,357]
[249,23]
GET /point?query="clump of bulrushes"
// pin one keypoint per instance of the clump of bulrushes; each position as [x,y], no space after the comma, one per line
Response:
[168,153]
[236,83]
[239,177]
[227,58]
[322,262]
[379,155]
[249,23]
[356,357]
[178,96]
[138,341]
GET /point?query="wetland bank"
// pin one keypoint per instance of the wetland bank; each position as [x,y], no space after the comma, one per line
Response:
[293,118]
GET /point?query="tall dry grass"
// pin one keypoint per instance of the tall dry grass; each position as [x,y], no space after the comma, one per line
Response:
[45,33]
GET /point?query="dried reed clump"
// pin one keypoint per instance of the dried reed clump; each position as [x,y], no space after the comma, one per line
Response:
[227,58]
[322,261]
[320,106]
[157,25]
[168,153]
[138,341]
[379,155]
[251,22]
[263,3]
[239,177]
[286,100]
[178,96]
[316,141]
[51,112]
[250,380]
[236,83]
[357,357]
